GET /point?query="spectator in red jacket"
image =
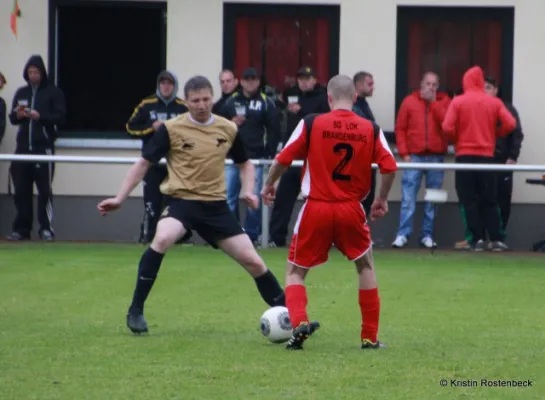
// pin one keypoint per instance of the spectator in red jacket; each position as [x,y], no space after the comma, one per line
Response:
[419,139]
[472,124]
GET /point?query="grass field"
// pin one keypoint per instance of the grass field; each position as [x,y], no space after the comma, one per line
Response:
[444,316]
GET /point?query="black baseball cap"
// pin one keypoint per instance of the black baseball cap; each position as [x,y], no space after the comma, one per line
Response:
[250,73]
[306,72]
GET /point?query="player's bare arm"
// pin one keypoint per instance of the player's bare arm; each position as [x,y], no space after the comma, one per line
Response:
[275,172]
[135,174]
[247,178]
[380,205]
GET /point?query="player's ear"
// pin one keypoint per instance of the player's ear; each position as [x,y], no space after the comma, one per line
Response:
[329,99]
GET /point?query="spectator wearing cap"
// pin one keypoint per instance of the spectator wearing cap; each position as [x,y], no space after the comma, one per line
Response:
[259,127]
[147,117]
[304,98]
[3,109]
[365,85]
[228,83]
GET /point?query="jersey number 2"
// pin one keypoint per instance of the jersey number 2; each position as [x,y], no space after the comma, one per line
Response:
[348,154]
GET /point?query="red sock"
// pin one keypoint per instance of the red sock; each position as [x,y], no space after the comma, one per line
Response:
[370,311]
[296,302]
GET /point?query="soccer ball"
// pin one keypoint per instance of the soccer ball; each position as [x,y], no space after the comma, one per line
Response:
[276,325]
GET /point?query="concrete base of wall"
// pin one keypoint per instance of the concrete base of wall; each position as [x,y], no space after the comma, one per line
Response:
[77,219]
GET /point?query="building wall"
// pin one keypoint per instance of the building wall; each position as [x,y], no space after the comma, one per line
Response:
[367,41]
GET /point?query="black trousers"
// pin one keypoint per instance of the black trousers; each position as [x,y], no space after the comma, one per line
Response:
[154,201]
[286,196]
[478,195]
[368,202]
[24,175]
[505,195]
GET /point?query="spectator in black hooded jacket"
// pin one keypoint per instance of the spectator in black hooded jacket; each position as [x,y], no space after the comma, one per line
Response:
[307,97]
[38,108]
[147,117]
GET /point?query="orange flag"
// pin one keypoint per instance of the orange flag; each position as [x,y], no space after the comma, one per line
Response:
[15,13]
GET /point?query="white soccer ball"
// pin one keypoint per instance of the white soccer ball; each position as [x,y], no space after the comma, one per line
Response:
[276,325]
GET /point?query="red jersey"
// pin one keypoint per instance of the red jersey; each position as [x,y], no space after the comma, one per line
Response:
[338,149]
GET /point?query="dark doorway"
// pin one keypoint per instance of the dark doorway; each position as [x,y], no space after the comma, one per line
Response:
[449,40]
[106,57]
[277,40]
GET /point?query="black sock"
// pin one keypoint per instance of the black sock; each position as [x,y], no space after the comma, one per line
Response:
[270,289]
[147,273]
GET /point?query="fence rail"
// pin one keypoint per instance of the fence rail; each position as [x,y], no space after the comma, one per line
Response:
[265,210]
[401,165]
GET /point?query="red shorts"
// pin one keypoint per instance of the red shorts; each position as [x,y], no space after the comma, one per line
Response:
[320,225]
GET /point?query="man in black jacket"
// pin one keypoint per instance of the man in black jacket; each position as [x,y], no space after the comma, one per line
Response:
[507,152]
[307,97]
[147,117]
[259,126]
[365,85]
[229,84]
[38,108]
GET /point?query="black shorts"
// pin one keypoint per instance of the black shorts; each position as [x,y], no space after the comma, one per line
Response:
[212,220]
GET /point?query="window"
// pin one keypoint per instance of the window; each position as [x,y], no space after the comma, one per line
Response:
[277,40]
[449,40]
[105,57]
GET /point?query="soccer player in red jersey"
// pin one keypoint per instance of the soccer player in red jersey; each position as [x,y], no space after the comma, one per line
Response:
[338,149]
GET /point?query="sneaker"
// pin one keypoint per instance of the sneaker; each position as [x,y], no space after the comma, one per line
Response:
[479,246]
[367,344]
[400,242]
[428,243]
[46,235]
[462,245]
[498,246]
[301,334]
[16,236]
[136,322]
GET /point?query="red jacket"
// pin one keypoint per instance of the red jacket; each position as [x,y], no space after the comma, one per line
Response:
[418,125]
[472,118]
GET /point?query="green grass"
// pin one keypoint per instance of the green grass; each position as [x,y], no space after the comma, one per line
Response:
[448,316]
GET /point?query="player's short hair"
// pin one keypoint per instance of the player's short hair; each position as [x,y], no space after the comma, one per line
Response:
[341,87]
[358,76]
[197,83]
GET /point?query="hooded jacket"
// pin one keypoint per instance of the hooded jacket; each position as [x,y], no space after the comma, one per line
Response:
[48,101]
[472,118]
[155,108]
[418,125]
[312,102]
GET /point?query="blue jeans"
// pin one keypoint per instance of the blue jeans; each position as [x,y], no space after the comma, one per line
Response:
[410,186]
[252,223]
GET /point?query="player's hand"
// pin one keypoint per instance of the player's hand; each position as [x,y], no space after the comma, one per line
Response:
[268,193]
[407,158]
[108,205]
[379,208]
[251,200]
